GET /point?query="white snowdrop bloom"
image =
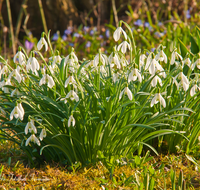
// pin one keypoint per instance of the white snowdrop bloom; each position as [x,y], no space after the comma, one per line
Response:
[148,62]
[42,42]
[187,62]
[17,112]
[114,60]
[196,63]
[4,70]
[72,56]
[47,79]
[115,77]
[103,70]
[161,56]
[72,95]
[156,80]
[160,70]
[123,46]
[90,64]
[194,89]
[70,80]
[175,56]
[71,120]
[30,127]
[34,139]
[134,75]
[43,134]
[56,60]
[117,33]
[124,62]
[184,82]
[15,92]
[100,57]
[127,92]
[16,75]
[158,98]
[4,83]
[20,57]
[141,61]
[32,64]
[152,67]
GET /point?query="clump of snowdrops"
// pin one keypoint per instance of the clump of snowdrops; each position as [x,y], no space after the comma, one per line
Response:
[63,109]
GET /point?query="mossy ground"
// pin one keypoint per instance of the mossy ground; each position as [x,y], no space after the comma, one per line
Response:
[17,175]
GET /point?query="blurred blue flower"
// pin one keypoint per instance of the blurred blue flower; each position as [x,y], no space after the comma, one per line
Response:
[160,23]
[28,45]
[64,37]
[91,32]
[107,33]
[138,22]
[68,31]
[55,37]
[86,29]
[101,36]
[77,35]
[88,44]
[188,14]
[71,44]
[146,24]
[153,49]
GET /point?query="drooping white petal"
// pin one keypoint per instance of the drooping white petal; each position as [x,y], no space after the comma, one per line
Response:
[129,93]
[71,121]
[51,82]
[42,42]
[43,134]
[162,101]
[192,90]
[120,95]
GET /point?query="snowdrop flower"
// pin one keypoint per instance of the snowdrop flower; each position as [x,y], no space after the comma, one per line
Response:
[70,80]
[114,60]
[123,46]
[43,134]
[4,70]
[194,89]
[115,77]
[56,60]
[16,75]
[34,139]
[117,33]
[158,98]
[20,57]
[151,65]
[124,62]
[187,62]
[175,56]
[71,56]
[47,79]
[184,82]
[134,75]
[142,60]
[17,112]
[30,127]
[156,80]
[196,63]
[42,42]
[4,83]
[161,56]
[127,92]
[72,95]
[15,92]
[100,57]
[33,65]
[71,121]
